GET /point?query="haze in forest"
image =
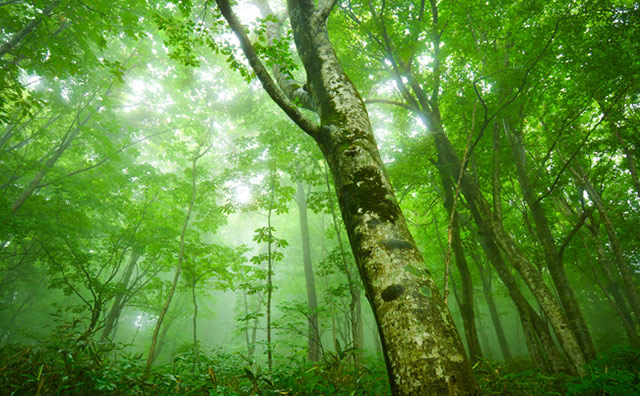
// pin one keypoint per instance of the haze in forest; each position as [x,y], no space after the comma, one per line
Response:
[319,197]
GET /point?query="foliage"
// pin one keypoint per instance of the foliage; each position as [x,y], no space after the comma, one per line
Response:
[69,364]
[616,373]
[516,379]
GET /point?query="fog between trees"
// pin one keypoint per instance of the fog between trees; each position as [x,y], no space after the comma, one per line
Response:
[314,194]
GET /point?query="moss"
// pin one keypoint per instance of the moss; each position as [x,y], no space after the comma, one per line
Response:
[425,291]
[367,193]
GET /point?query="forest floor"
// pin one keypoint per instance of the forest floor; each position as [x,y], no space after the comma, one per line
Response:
[72,366]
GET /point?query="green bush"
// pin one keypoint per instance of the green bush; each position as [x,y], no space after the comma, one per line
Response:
[616,373]
[70,363]
[511,379]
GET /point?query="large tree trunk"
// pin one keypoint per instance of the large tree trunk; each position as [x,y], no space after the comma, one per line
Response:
[423,351]
[313,351]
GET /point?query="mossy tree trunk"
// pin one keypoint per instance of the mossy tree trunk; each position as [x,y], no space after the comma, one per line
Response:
[423,351]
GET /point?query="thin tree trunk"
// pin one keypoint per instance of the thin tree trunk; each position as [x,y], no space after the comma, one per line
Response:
[270,269]
[492,232]
[33,185]
[17,38]
[467,309]
[552,258]
[611,288]
[313,348]
[176,275]
[251,340]
[196,352]
[630,288]
[485,277]
[118,303]
[162,337]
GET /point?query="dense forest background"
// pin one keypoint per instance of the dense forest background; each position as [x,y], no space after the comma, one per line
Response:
[166,229]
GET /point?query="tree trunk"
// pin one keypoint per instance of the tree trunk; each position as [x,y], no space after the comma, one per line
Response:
[355,306]
[251,339]
[166,325]
[492,231]
[313,351]
[196,352]
[118,303]
[627,277]
[270,267]
[176,276]
[610,286]
[552,258]
[485,277]
[467,309]
[423,352]
[25,31]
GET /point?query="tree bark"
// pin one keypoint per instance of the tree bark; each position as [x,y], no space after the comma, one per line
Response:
[313,347]
[355,306]
[423,352]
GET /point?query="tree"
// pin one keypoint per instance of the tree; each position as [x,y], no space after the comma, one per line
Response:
[202,149]
[423,351]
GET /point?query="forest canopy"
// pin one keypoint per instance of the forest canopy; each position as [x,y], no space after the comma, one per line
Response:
[319,197]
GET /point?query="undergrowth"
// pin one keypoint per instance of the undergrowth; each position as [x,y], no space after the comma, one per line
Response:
[71,363]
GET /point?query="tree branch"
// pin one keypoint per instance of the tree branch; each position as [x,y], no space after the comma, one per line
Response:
[389,102]
[327,7]
[574,230]
[263,75]
[293,89]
